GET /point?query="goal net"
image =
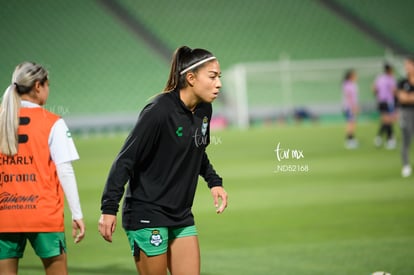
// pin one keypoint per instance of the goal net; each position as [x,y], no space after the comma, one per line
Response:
[275,90]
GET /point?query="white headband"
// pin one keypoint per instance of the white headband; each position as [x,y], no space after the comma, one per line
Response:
[197,64]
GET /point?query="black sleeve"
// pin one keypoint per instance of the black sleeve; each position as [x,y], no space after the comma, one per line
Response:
[209,174]
[400,85]
[137,148]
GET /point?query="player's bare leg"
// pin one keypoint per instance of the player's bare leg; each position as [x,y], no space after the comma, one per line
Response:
[151,265]
[9,266]
[184,256]
[56,265]
[350,128]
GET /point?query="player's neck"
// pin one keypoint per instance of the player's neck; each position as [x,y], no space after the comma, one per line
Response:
[189,99]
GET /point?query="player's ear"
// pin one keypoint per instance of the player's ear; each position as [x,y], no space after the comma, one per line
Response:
[37,85]
[190,77]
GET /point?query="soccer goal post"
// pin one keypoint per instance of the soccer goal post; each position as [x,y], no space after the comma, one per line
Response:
[275,89]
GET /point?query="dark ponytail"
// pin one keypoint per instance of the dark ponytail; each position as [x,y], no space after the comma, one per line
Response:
[182,61]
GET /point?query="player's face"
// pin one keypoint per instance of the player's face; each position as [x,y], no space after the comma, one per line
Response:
[354,76]
[207,83]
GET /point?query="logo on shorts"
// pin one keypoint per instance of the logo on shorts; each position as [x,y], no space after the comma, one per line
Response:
[156,238]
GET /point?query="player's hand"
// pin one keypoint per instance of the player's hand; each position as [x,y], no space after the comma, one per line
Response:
[403,97]
[106,226]
[78,230]
[218,194]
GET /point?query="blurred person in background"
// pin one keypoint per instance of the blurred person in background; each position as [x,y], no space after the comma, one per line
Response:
[36,154]
[384,89]
[405,95]
[350,107]
[161,161]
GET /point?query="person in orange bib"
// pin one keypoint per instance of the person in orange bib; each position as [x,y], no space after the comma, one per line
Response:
[36,154]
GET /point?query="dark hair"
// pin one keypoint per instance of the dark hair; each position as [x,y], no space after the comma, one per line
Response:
[410,58]
[387,68]
[183,58]
[348,74]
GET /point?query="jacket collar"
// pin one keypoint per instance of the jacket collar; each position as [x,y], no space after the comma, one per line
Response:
[176,95]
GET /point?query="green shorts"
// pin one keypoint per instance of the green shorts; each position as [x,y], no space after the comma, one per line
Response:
[45,245]
[154,241]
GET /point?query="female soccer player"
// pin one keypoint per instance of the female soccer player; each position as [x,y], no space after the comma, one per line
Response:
[350,104]
[36,151]
[384,88]
[161,161]
[405,96]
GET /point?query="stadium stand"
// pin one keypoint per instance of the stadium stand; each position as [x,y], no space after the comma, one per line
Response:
[95,65]
[242,31]
[99,67]
[391,19]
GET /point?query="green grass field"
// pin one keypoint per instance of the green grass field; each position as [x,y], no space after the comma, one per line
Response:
[345,212]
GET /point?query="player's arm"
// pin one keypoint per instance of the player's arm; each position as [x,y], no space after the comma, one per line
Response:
[405,97]
[63,152]
[137,147]
[215,183]
[67,180]
[114,188]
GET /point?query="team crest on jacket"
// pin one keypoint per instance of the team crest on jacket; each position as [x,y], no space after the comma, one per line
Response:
[156,238]
[204,126]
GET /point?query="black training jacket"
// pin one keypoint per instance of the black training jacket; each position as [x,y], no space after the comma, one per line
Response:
[404,84]
[161,160]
